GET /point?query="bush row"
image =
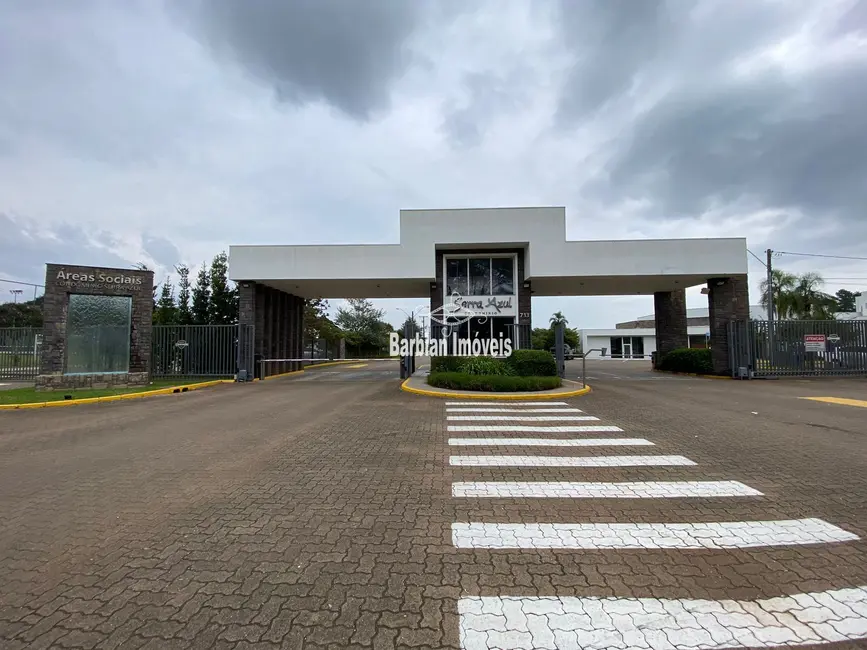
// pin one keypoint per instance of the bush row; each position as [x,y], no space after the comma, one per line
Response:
[687,360]
[521,363]
[493,383]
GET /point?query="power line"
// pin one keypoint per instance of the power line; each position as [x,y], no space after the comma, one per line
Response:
[757,257]
[29,284]
[838,257]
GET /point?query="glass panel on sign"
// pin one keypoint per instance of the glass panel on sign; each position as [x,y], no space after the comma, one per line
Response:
[503,276]
[480,276]
[500,326]
[97,334]
[617,346]
[456,277]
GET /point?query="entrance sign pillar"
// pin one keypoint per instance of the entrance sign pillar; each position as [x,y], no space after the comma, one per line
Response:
[728,300]
[671,326]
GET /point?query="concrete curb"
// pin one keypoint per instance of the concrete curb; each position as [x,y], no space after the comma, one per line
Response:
[298,372]
[182,388]
[492,396]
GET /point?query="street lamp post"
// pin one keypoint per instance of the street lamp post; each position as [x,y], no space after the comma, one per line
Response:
[15,293]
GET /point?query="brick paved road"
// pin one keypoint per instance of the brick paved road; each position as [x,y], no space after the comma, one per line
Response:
[319,514]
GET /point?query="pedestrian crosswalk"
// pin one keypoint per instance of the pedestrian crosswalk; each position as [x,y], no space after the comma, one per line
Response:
[531,620]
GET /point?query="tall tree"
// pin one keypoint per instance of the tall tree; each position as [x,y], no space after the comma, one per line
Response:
[811,303]
[224,297]
[201,308]
[184,314]
[784,297]
[362,324]
[317,325]
[845,300]
[165,312]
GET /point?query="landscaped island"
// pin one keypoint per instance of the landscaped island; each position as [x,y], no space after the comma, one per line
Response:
[523,370]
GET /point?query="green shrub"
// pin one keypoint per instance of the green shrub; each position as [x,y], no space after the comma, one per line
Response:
[532,363]
[493,383]
[485,366]
[446,364]
[687,360]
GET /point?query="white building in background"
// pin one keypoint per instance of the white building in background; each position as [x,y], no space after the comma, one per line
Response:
[637,339]
[860,312]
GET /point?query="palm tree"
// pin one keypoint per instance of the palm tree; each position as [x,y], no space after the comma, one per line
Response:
[558,319]
[810,302]
[785,303]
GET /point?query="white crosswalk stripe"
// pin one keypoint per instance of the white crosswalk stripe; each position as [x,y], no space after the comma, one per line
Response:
[587,490]
[568,461]
[511,623]
[532,429]
[592,536]
[549,442]
[515,403]
[461,409]
[522,418]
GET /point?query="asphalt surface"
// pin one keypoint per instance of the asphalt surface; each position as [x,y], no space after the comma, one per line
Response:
[317,512]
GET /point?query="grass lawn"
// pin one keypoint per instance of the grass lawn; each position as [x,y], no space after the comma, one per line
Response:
[30,395]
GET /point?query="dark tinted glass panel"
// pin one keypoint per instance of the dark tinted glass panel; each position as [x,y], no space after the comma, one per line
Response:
[480,328]
[637,346]
[503,276]
[480,277]
[456,277]
[616,346]
[97,334]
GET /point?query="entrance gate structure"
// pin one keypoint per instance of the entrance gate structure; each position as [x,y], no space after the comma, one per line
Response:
[490,262]
[800,348]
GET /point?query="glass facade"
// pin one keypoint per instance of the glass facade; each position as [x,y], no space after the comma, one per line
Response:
[98,334]
[627,347]
[480,276]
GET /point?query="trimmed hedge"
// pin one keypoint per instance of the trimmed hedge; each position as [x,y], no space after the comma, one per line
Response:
[485,366]
[533,363]
[491,383]
[694,360]
[446,364]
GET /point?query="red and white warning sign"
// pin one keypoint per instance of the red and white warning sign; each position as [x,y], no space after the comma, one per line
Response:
[814,342]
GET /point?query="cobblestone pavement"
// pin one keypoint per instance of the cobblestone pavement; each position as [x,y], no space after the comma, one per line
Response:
[323,514]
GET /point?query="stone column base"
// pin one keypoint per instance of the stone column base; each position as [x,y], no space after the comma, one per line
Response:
[89,381]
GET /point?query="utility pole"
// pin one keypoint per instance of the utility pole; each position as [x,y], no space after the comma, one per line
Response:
[16,293]
[771,308]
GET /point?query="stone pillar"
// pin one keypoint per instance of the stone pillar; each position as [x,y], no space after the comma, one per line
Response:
[728,300]
[670,312]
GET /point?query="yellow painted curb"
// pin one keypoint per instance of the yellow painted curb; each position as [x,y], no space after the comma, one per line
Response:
[845,401]
[298,372]
[492,396]
[182,388]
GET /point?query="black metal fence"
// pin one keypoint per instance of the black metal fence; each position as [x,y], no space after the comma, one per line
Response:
[217,351]
[20,350]
[799,348]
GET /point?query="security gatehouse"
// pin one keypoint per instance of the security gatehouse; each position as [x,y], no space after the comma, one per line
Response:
[486,264]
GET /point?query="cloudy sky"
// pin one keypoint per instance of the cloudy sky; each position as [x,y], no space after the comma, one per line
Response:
[163,132]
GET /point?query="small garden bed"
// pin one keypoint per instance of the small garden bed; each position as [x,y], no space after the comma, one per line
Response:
[523,370]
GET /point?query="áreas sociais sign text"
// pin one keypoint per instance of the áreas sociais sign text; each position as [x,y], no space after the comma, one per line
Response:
[98,280]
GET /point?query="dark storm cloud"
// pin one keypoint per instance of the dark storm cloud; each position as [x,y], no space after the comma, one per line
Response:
[777,143]
[343,52]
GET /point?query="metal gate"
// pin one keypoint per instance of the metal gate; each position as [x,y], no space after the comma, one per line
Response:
[799,348]
[217,351]
[20,351]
